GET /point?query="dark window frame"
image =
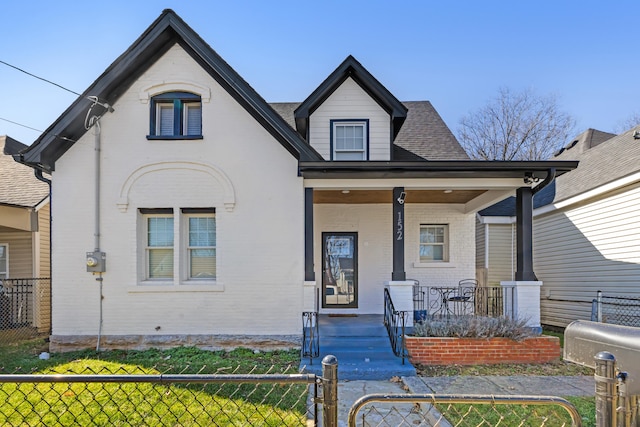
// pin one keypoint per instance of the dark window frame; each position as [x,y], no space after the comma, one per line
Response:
[179,99]
[363,122]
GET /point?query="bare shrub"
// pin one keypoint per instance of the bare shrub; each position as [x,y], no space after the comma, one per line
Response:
[474,327]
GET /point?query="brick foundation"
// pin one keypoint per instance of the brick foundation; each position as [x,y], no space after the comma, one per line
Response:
[482,351]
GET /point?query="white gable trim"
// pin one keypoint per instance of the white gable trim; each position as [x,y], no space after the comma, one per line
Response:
[603,189]
[496,219]
[178,86]
[215,172]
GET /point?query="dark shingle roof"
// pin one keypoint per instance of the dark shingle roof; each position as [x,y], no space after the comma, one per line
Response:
[608,161]
[423,136]
[424,133]
[583,142]
[603,159]
[507,207]
[18,185]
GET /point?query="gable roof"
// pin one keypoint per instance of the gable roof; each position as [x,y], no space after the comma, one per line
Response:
[609,161]
[581,143]
[18,185]
[350,67]
[424,135]
[167,30]
[600,162]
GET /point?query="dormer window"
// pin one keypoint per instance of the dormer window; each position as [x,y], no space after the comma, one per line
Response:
[350,139]
[176,115]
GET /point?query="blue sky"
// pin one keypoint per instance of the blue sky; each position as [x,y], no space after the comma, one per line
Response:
[455,54]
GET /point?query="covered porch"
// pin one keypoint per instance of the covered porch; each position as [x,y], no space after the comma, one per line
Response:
[376,225]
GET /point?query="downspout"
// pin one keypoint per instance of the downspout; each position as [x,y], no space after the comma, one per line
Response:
[551,175]
[38,175]
[97,220]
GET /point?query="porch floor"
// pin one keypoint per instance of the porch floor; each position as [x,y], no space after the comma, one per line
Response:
[362,347]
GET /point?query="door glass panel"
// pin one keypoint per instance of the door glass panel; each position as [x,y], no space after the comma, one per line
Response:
[340,277]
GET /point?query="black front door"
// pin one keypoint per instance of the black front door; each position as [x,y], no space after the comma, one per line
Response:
[339,270]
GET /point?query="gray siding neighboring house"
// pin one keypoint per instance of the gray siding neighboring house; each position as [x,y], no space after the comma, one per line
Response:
[586,234]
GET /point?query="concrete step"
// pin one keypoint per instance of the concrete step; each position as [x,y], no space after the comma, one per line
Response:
[356,343]
[362,347]
[352,369]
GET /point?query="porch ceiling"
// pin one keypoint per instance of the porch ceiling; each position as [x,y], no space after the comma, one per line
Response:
[386,196]
[15,218]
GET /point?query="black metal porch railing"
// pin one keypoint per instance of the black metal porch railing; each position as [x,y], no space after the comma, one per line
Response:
[310,336]
[395,322]
[446,301]
[618,310]
[311,331]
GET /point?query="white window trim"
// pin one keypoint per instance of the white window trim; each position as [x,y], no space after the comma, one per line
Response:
[186,249]
[159,106]
[446,247]
[149,92]
[6,251]
[147,248]
[363,124]
[186,107]
[180,281]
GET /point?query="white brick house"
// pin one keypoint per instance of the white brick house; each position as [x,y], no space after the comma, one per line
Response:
[221,217]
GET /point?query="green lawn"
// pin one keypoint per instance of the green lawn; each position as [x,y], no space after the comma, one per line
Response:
[146,404]
[522,415]
[150,404]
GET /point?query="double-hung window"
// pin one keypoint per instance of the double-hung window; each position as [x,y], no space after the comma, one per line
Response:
[159,244]
[4,261]
[349,139]
[201,243]
[434,243]
[176,115]
[191,236]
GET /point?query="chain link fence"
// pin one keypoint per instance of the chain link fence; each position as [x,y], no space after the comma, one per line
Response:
[617,310]
[114,396]
[453,410]
[24,309]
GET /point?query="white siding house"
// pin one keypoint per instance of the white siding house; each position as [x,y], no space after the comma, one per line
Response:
[586,228]
[212,218]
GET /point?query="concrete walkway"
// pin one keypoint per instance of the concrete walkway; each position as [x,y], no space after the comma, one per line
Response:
[504,385]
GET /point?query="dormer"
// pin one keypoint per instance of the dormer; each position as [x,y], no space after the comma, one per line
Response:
[351,116]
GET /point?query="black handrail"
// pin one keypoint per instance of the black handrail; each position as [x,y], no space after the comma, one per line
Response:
[311,331]
[310,336]
[395,322]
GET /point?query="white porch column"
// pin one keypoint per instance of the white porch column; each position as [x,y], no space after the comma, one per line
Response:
[309,296]
[401,292]
[526,302]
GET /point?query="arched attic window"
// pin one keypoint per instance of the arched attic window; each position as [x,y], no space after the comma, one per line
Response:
[176,115]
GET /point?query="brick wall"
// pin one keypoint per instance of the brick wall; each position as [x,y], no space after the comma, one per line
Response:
[482,351]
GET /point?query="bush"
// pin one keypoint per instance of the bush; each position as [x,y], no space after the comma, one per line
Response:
[473,327]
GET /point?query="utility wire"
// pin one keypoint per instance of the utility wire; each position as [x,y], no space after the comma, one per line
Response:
[37,130]
[39,78]
[94,99]
[20,124]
